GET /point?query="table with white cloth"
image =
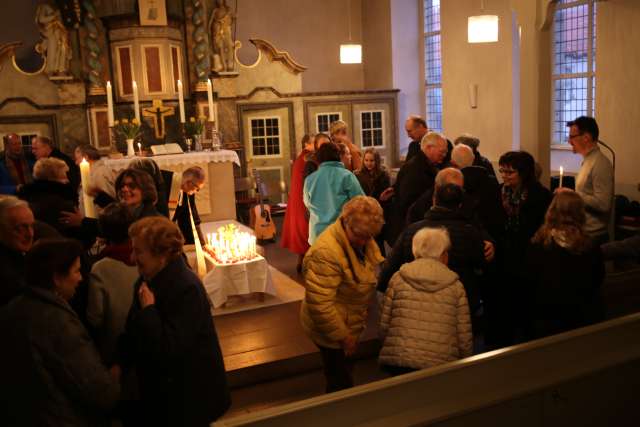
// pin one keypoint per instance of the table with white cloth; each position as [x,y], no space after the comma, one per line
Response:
[241,278]
[216,200]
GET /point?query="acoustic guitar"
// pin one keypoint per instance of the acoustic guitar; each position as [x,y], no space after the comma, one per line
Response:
[264,227]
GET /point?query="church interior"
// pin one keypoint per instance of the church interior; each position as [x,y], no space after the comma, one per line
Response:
[232,88]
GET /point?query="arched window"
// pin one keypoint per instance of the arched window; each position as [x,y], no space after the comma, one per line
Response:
[432,64]
[573,65]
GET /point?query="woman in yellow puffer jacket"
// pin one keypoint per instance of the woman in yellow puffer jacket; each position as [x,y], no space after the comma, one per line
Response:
[340,276]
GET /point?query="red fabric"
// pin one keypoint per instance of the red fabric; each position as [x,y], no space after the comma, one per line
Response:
[295,233]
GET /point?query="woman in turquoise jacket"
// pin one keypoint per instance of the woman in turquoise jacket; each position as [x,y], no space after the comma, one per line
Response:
[327,190]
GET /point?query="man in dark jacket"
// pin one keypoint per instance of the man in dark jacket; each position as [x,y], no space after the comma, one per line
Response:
[16,238]
[192,181]
[479,160]
[413,179]
[42,147]
[416,128]
[467,252]
[15,168]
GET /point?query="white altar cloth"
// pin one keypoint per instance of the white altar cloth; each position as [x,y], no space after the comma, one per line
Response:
[189,158]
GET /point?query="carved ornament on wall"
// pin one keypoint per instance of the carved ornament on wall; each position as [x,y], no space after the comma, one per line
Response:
[275,54]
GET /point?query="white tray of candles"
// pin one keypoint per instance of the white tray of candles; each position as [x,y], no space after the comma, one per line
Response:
[231,246]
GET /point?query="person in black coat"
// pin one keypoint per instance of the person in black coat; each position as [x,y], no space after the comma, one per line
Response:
[565,270]
[467,242]
[192,181]
[42,147]
[416,128]
[478,160]
[50,193]
[413,179]
[170,337]
[524,204]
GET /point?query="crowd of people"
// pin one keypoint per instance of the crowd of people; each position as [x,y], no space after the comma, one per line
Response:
[468,254]
[103,321]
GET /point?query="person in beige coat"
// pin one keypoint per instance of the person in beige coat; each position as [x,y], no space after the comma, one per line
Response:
[340,279]
[425,315]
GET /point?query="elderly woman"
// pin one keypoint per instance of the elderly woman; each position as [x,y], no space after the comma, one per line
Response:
[425,315]
[340,133]
[565,270]
[50,192]
[51,372]
[340,277]
[327,190]
[169,336]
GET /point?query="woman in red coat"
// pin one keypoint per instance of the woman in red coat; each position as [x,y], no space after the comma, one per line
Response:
[295,233]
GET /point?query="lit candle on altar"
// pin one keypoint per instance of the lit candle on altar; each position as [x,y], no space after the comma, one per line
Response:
[181,102]
[136,101]
[561,175]
[109,105]
[87,200]
[140,149]
[210,99]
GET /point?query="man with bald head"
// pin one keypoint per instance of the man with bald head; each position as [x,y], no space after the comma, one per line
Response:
[414,177]
[15,168]
[16,239]
[468,252]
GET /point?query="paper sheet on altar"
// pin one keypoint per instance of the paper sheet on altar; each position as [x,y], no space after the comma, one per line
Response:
[241,278]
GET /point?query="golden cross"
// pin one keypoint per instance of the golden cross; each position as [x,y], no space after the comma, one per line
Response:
[157,114]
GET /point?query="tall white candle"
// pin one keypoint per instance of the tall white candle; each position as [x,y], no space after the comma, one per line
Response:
[561,175]
[140,149]
[87,200]
[136,101]
[109,105]
[181,102]
[210,99]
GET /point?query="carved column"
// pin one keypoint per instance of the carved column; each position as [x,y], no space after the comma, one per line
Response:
[201,40]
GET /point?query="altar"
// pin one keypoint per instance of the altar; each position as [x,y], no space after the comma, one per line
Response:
[216,200]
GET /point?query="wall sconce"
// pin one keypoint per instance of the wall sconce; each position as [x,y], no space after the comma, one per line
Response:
[350,53]
[473,95]
[482,28]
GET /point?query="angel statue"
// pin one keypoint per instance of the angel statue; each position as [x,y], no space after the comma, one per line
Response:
[54,45]
[223,45]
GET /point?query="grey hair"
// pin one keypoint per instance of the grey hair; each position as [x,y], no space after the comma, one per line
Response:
[468,140]
[462,155]
[49,169]
[194,173]
[449,176]
[430,243]
[7,203]
[431,139]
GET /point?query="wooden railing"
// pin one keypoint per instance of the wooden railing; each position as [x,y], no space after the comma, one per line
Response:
[589,376]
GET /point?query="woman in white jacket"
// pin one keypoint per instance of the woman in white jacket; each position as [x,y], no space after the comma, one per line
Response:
[425,315]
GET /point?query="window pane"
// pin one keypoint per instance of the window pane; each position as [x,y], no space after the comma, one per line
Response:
[571,40]
[432,59]
[377,119]
[434,108]
[377,137]
[431,16]
[366,138]
[570,101]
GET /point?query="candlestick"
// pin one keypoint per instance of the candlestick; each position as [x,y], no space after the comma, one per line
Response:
[210,99]
[181,102]
[140,149]
[87,200]
[109,105]
[136,101]
[561,175]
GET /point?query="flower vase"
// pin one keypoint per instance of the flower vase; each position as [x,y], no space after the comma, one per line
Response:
[130,151]
[198,143]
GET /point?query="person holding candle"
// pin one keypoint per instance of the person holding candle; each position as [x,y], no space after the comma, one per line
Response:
[102,178]
[340,278]
[565,270]
[192,182]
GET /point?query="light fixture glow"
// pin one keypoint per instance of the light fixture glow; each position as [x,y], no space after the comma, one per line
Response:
[350,54]
[482,29]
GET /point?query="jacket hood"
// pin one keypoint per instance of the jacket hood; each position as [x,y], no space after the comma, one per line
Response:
[427,274]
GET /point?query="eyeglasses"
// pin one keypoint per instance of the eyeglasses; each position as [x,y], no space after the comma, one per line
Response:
[504,171]
[575,136]
[130,184]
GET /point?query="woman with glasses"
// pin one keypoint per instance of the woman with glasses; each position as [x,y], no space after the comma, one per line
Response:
[524,203]
[340,276]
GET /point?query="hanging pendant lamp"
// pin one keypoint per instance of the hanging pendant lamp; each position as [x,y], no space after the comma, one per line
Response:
[350,53]
[482,28]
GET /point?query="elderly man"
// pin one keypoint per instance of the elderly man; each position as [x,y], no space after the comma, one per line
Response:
[416,128]
[16,238]
[470,246]
[479,160]
[15,169]
[42,147]
[415,176]
[594,182]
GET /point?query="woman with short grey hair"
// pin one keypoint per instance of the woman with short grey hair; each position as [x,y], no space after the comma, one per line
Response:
[425,314]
